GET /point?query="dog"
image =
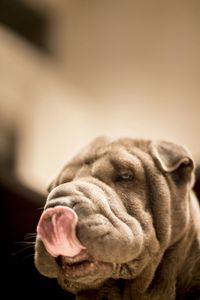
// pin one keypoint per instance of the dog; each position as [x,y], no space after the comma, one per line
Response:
[121,221]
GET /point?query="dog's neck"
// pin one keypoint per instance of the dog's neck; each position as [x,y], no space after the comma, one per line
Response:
[189,273]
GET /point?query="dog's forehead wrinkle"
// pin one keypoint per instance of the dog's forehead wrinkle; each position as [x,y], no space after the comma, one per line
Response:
[121,149]
[130,143]
[122,157]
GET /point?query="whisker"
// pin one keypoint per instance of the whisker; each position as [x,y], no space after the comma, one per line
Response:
[29,236]
[24,243]
[24,257]
[19,251]
[40,208]
[31,255]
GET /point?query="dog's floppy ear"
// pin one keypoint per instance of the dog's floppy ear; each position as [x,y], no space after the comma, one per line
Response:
[173,158]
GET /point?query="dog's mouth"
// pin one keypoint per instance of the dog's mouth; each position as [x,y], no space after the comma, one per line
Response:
[82,265]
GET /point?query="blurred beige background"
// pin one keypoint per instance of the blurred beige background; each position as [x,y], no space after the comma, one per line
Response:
[117,67]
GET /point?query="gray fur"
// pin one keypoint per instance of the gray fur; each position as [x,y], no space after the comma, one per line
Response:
[142,232]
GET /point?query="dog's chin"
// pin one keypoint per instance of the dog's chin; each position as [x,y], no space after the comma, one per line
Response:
[82,272]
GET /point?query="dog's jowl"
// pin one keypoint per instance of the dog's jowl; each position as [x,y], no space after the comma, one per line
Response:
[121,222]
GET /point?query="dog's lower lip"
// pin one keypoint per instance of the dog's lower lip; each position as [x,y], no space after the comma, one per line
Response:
[82,264]
[79,268]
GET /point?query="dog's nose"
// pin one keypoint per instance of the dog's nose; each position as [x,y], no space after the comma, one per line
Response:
[57,229]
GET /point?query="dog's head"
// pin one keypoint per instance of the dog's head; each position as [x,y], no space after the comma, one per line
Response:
[113,211]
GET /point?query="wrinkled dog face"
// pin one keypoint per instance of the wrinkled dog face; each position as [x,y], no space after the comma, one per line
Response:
[112,212]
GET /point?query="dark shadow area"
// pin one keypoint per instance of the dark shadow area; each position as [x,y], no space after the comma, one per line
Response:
[19,216]
[197,183]
[20,209]
[25,21]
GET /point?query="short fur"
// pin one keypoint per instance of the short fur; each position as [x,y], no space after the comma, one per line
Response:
[137,217]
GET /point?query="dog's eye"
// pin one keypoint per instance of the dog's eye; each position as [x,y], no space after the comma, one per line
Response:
[89,161]
[125,175]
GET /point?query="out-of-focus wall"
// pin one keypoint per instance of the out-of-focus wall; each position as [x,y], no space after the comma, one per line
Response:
[119,68]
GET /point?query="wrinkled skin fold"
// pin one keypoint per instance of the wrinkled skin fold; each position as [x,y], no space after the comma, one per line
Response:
[121,222]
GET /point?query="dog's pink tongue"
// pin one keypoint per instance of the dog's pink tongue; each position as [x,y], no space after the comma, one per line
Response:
[56,228]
